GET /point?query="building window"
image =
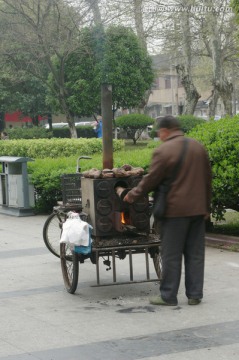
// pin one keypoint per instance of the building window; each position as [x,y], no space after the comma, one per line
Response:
[167,82]
[158,109]
[168,110]
[180,109]
[155,85]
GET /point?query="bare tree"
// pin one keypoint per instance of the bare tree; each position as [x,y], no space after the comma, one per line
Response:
[218,33]
[184,69]
[178,35]
[39,35]
[194,29]
[94,6]
[139,25]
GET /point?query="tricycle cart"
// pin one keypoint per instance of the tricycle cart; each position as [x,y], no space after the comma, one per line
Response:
[120,231]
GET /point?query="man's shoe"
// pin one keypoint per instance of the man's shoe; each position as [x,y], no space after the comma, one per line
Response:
[157,300]
[194,301]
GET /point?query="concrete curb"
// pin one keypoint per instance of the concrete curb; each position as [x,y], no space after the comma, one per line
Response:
[222,241]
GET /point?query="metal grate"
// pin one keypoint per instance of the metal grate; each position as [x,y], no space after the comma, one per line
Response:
[71,189]
[129,250]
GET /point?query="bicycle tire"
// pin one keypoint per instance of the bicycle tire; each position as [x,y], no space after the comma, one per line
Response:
[69,267]
[52,232]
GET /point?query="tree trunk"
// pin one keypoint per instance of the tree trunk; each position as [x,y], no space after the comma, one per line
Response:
[69,116]
[222,88]
[35,120]
[71,122]
[192,94]
[184,69]
[226,95]
[213,102]
[94,6]
[138,17]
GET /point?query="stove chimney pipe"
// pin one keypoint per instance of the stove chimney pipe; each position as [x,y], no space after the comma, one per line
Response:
[106,108]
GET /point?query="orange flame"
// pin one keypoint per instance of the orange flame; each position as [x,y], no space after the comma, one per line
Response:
[125,218]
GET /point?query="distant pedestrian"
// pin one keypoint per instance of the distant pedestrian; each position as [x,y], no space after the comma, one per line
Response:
[4,136]
[98,127]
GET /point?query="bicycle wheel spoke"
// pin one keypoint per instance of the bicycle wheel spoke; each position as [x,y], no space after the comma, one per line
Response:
[70,268]
[52,232]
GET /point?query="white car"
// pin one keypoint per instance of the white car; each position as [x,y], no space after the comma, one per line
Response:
[84,123]
[56,125]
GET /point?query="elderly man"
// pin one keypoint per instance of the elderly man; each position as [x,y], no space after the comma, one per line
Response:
[188,205]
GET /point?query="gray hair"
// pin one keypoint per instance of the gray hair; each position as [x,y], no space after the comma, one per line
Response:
[168,122]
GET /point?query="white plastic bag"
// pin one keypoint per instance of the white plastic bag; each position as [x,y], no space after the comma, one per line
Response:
[75,232]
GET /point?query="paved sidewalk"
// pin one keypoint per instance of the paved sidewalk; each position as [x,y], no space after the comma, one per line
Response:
[40,320]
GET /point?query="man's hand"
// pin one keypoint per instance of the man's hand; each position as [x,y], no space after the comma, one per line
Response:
[127,199]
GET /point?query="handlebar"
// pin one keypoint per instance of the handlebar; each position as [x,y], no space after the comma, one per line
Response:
[78,168]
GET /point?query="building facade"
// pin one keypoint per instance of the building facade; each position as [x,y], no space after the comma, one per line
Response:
[168,95]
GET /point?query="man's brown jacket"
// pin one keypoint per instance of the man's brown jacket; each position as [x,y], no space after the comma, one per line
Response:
[190,192]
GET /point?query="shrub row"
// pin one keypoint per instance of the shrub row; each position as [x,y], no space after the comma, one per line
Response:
[187,123]
[82,132]
[53,148]
[42,133]
[45,173]
[29,133]
[221,139]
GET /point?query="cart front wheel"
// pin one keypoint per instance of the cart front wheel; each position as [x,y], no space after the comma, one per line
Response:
[69,267]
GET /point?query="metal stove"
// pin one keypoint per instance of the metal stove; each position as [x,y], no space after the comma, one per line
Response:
[110,216]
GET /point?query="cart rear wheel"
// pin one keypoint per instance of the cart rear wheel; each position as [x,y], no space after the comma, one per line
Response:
[158,264]
[52,232]
[69,267]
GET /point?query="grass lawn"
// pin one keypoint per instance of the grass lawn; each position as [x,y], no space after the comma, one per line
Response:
[229,226]
[129,145]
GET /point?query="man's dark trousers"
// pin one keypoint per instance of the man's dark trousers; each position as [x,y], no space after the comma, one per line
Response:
[182,236]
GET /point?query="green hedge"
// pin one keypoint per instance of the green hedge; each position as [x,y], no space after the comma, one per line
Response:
[133,124]
[134,121]
[45,174]
[42,148]
[36,132]
[187,123]
[221,139]
[29,133]
[82,132]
